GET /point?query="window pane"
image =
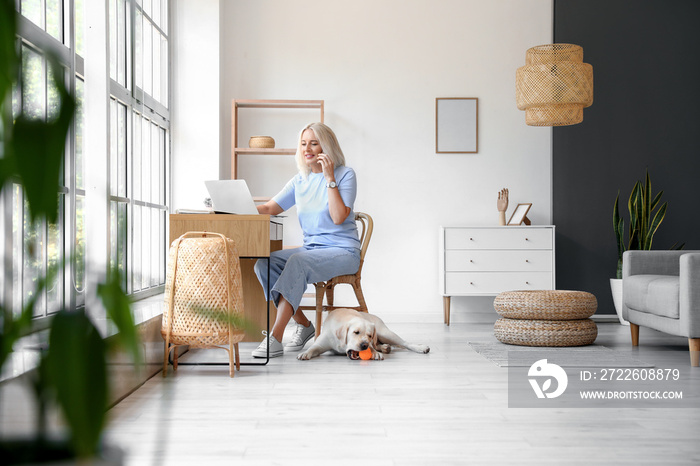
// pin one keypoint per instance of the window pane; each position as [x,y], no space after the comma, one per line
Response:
[54,288]
[123,250]
[137,252]
[113,35]
[122,148]
[113,235]
[118,236]
[155,12]
[156,65]
[155,244]
[145,264]
[80,27]
[147,58]
[122,42]
[33,261]
[33,11]
[33,84]
[136,156]
[155,150]
[53,18]
[146,160]
[17,247]
[113,147]
[161,249]
[79,249]
[164,20]
[79,140]
[138,49]
[15,100]
[165,66]
[52,95]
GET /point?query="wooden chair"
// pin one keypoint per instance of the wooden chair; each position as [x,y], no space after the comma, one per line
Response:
[366,225]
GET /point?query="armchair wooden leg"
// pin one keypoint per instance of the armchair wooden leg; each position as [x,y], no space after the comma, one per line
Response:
[694,344]
[634,330]
[231,363]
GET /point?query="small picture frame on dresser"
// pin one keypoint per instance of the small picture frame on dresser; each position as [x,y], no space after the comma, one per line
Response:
[520,214]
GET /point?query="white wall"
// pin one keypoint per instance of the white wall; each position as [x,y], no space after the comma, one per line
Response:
[379,65]
[195,131]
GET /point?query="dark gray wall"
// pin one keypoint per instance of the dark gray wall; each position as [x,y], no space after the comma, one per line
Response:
[645,115]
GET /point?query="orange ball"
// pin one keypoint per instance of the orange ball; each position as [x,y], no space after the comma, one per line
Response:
[366,354]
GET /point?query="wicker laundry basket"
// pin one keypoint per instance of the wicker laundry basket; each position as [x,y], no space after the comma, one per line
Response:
[203,296]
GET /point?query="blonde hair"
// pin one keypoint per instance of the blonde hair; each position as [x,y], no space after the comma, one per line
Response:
[329,146]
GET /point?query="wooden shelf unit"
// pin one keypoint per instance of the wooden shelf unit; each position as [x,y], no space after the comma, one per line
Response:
[272,104]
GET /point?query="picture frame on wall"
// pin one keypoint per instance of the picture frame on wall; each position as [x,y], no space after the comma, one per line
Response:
[520,214]
[456,125]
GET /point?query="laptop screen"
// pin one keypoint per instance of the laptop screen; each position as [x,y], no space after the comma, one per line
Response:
[231,197]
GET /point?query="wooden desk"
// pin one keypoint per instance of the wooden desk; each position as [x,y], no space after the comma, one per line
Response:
[256,236]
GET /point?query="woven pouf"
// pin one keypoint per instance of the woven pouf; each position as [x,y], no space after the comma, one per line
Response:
[546,305]
[545,332]
[545,318]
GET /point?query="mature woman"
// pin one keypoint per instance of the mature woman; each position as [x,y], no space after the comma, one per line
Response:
[324,192]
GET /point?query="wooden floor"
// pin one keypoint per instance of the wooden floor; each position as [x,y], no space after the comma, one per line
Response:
[447,407]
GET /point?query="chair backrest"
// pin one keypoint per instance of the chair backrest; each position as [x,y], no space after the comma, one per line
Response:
[366,234]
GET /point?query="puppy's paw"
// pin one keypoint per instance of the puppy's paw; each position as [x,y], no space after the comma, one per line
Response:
[377,356]
[384,348]
[304,356]
[424,348]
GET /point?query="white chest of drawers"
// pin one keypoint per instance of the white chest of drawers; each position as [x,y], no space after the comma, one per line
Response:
[485,261]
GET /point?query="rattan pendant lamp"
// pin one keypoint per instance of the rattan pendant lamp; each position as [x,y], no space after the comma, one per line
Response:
[554,86]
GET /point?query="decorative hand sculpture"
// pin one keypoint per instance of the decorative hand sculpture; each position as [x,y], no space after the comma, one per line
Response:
[502,205]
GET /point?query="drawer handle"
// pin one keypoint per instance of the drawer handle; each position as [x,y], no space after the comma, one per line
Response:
[471,283]
[471,261]
[527,239]
[527,283]
[471,239]
[527,260]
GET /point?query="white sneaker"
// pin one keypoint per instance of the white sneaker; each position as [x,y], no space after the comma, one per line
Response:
[301,336]
[276,348]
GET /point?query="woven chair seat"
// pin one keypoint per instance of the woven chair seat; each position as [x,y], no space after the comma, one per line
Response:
[546,305]
[545,332]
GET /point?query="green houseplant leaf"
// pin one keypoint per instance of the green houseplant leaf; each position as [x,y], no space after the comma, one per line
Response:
[118,307]
[645,215]
[35,152]
[76,366]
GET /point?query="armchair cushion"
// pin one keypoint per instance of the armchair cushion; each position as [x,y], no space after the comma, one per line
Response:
[653,294]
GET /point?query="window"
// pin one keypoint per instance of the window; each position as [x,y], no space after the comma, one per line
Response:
[35,248]
[138,132]
[139,140]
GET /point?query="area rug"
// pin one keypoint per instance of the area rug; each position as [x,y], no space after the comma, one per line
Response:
[580,356]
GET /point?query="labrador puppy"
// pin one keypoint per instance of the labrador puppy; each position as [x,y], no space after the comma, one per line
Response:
[347,331]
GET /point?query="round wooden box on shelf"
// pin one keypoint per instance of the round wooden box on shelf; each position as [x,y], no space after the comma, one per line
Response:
[261,142]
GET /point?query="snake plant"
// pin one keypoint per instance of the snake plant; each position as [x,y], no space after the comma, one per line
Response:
[645,217]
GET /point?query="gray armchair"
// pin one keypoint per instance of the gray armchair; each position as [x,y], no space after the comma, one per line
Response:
[661,290]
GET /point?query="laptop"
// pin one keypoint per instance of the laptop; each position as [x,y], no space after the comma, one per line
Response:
[231,197]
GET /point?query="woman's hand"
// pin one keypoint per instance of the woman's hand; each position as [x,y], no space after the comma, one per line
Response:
[336,207]
[327,167]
